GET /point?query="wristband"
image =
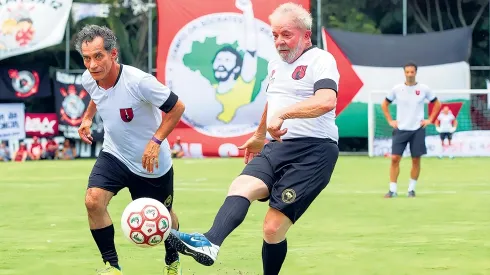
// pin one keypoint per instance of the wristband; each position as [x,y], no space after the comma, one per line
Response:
[156,140]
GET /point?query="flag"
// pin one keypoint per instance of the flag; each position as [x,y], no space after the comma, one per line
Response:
[370,62]
[41,125]
[80,11]
[21,82]
[71,101]
[191,35]
[12,119]
[28,26]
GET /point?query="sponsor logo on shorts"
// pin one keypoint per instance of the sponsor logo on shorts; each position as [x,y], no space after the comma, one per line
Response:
[288,196]
[168,201]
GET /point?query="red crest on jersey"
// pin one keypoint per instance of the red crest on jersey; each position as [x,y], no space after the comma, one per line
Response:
[126,114]
[417,92]
[299,72]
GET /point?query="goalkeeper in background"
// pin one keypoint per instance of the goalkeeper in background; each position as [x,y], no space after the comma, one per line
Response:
[446,124]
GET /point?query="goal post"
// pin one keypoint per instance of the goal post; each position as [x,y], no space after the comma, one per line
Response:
[470,107]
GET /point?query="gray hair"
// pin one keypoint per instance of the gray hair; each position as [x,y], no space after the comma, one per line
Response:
[90,32]
[300,15]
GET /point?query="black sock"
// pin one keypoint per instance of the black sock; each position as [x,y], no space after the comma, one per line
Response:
[171,254]
[273,256]
[230,216]
[104,238]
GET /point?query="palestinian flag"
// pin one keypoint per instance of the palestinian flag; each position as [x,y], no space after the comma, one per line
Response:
[374,62]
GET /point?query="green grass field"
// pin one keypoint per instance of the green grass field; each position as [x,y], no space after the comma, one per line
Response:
[350,229]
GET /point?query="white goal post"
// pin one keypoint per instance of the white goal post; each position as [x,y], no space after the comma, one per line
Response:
[471,108]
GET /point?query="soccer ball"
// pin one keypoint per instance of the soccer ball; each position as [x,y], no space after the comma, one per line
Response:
[146,222]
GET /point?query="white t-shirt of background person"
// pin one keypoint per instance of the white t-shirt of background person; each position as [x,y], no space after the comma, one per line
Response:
[446,122]
[131,111]
[410,104]
[289,84]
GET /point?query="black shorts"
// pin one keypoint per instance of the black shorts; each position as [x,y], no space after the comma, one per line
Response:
[443,136]
[295,171]
[112,175]
[416,139]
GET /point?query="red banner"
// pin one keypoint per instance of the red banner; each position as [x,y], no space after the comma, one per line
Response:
[41,125]
[214,56]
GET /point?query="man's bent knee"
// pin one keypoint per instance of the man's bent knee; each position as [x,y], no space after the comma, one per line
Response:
[395,159]
[276,225]
[96,200]
[249,187]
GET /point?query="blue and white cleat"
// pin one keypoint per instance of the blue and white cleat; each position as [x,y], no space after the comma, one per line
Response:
[195,245]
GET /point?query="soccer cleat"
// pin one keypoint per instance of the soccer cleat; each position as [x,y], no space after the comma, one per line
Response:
[391,194]
[173,269]
[195,245]
[411,194]
[109,270]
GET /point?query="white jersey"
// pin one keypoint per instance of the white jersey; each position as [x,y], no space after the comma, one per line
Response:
[292,83]
[131,115]
[410,104]
[446,122]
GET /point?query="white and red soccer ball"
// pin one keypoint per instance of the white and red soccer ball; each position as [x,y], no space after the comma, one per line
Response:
[146,222]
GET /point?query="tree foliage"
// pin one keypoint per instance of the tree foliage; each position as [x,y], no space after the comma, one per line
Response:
[129,21]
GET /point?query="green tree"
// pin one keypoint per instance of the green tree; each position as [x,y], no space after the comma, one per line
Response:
[439,15]
[346,15]
[130,24]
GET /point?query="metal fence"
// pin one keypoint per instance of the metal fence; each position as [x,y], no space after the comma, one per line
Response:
[479,77]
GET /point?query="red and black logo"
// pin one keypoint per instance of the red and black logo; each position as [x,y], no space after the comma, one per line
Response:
[126,114]
[73,105]
[299,72]
[24,83]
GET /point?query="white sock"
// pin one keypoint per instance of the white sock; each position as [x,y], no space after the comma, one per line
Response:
[393,187]
[411,185]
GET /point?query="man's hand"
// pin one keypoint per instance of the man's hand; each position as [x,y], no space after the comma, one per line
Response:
[393,123]
[150,156]
[274,128]
[252,147]
[243,5]
[425,122]
[85,132]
